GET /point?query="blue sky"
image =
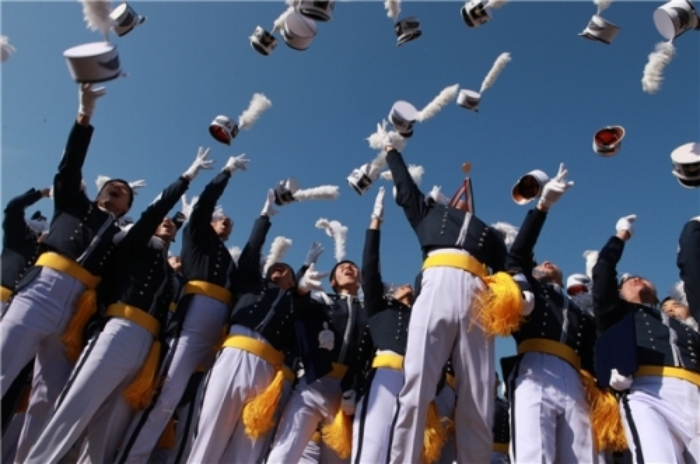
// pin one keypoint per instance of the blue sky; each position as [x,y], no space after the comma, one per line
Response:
[191,61]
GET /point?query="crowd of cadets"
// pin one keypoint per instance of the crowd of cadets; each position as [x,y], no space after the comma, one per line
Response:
[115,351]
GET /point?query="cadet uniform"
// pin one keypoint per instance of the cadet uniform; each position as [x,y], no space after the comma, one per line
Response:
[458,248]
[261,336]
[550,411]
[140,291]
[327,374]
[501,432]
[203,310]
[78,248]
[388,325]
[662,407]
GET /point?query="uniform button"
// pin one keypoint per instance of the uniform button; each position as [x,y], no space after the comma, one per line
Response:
[140,293]
[149,277]
[71,239]
[215,274]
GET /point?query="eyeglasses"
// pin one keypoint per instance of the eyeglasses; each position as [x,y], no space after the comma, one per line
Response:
[627,277]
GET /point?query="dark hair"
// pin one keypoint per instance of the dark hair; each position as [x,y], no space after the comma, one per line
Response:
[335,268]
[121,181]
[291,271]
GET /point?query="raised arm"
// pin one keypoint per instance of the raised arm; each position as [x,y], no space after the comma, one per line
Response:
[372,285]
[408,196]
[689,264]
[13,223]
[249,261]
[606,297]
[521,256]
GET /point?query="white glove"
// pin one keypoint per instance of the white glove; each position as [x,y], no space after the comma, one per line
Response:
[200,162]
[326,338]
[347,404]
[378,211]
[88,97]
[235,163]
[555,188]
[137,184]
[269,210]
[619,382]
[528,302]
[311,280]
[625,223]
[313,253]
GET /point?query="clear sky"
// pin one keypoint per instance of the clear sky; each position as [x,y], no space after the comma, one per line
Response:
[191,61]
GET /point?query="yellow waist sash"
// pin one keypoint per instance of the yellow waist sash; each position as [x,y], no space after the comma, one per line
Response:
[256,347]
[68,266]
[5,294]
[200,287]
[459,261]
[388,361]
[136,315]
[668,371]
[560,350]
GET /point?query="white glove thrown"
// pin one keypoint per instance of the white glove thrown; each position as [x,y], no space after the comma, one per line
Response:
[235,163]
[313,253]
[311,280]
[555,188]
[619,382]
[269,210]
[326,338]
[625,223]
[378,211]
[88,97]
[200,162]
[348,403]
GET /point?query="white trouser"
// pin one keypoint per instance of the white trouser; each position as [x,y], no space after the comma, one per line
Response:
[201,330]
[550,413]
[237,377]
[3,307]
[93,398]
[441,326]
[33,325]
[373,417]
[445,402]
[310,406]
[662,420]
[10,438]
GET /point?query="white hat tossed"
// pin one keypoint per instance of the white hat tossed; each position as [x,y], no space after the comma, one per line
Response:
[298,31]
[96,61]
[478,12]
[686,164]
[470,99]
[318,10]
[598,28]
[125,19]
[288,190]
[6,50]
[224,130]
[607,141]
[672,19]
[403,115]
[407,29]
[529,187]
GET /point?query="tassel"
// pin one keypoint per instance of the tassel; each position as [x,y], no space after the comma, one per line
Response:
[499,308]
[606,421]
[259,414]
[338,434]
[316,437]
[139,393]
[167,438]
[434,436]
[73,336]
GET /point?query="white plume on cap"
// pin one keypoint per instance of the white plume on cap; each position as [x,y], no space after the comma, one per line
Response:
[96,14]
[437,196]
[218,213]
[186,208]
[279,247]
[677,292]
[591,257]
[376,140]
[415,171]
[509,232]
[393,8]
[500,63]
[6,50]
[323,192]
[137,184]
[235,253]
[339,234]
[444,97]
[258,105]
[496,3]
[653,71]
[602,5]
